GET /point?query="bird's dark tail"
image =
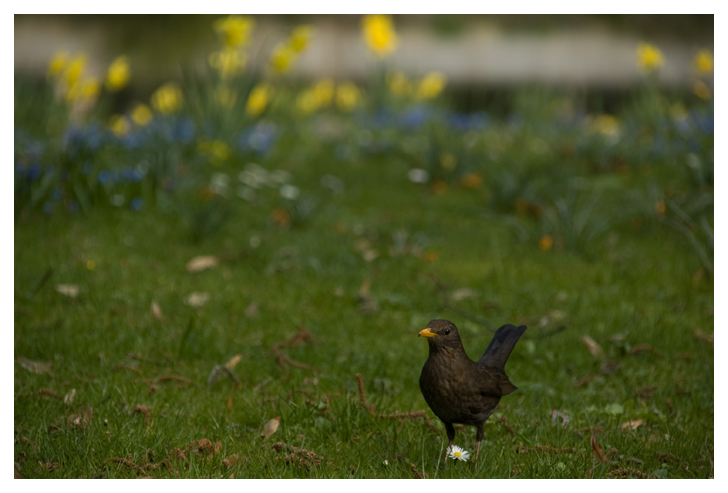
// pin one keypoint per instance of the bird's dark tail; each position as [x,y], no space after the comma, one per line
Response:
[501,346]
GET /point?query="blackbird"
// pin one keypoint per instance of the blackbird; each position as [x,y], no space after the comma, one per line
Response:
[458,389]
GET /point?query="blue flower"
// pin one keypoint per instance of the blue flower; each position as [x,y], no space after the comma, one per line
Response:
[106,177]
[137,203]
[414,117]
[259,138]
[133,175]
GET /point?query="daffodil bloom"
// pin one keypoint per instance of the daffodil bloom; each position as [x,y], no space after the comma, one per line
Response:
[87,89]
[234,30]
[228,62]
[119,125]
[379,34]
[701,90]
[649,57]
[323,92]
[347,96]
[458,453]
[75,69]
[605,125]
[167,99]
[118,74]
[306,102]
[300,38]
[703,62]
[141,115]
[282,58]
[399,85]
[57,63]
[431,85]
[218,150]
[258,99]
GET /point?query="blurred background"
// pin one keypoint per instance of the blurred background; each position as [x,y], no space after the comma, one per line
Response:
[473,51]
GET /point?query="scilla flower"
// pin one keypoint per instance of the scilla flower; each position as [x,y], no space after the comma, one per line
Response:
[457,453]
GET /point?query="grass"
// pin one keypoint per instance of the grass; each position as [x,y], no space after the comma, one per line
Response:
[637,295]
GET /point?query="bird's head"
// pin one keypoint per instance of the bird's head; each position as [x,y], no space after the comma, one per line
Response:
[441,334]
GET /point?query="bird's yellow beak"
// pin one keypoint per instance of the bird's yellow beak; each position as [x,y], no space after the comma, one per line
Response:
[427,333]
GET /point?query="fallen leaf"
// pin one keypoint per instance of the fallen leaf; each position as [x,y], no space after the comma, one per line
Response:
[592,345]
[197,300]
[251,310]
[157,311]
[703,336]
[271,427]
[217,372]
[201,263]
[233,361]
[68,398]
[39,367]
[82,419]
[552,317]
[231,460]
[462,293]
[597,449]
[230,402]
[632,425]
[71,290]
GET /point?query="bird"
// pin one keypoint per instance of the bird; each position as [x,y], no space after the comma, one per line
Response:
[458,389]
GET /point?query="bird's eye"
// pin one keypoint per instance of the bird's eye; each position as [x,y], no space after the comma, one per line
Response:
[447,331]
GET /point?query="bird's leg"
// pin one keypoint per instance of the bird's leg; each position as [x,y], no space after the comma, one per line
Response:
[479,437]
[450,437]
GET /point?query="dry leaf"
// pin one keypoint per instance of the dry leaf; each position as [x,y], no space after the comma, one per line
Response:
[252,310]
[230,402]
[597,449]
[233,361]
[703,336]
[197,300]
[217,371]
[156,311]
[462,293]
[271,427]
[80,420]
[39,367]
[231,460]
[632,425]
[68,289]
[69,396]
[201,263]
[592,345]
[369,255]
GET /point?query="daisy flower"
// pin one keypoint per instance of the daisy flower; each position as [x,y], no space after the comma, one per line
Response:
[458,453]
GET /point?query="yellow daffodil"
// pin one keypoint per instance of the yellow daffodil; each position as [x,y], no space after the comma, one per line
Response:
[258,99]
[87,89]
[74,70]
[167,99]
[379,34]
[119,125]
[703,62]
[701,90]
[649,57]
[306,102]
[282,58]
[300,38]
[141,115]
[347,96]
[218,150]
[323,92]
[234,30]
[57,63]
[228,62]
[399,85]
[605,125]
[431,85]
[118,74]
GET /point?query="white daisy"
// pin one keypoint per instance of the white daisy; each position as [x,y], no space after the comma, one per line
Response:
[457,453]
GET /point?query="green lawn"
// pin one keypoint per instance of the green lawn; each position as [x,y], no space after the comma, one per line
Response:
[309,304]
